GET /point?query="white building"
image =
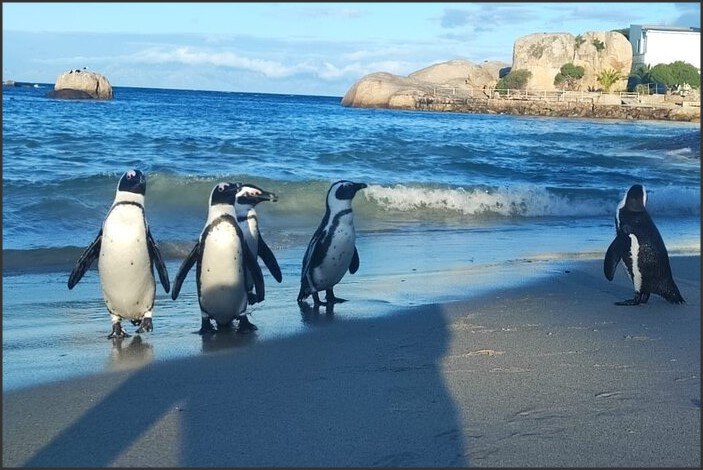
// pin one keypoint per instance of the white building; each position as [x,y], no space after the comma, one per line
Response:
[652,45]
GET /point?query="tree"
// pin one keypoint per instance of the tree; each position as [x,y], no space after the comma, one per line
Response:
[661,73]
[683,72]
[569,76]
[608,78]
[515,80]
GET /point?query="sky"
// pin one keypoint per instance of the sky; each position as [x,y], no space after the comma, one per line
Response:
[288,48]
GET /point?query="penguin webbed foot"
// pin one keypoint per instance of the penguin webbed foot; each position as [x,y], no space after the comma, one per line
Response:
[118,331]
[146,324]
[245,326]
[206,327]
[638,299]
[331,299]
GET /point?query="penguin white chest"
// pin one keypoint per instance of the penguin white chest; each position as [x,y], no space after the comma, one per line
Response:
[222,289]
[636,273]
[124,264]
[337,259]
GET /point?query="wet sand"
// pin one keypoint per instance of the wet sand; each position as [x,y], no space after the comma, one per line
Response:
[551,373]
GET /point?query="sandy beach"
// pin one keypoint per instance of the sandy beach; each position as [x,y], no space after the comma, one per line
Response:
[549,374]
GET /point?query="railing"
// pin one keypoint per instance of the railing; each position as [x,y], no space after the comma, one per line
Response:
[529,95]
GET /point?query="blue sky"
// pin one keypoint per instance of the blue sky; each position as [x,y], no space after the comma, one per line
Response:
[292,48]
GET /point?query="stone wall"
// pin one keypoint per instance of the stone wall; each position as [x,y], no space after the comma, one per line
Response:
[559,109]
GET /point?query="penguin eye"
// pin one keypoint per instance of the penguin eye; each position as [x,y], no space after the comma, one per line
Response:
[131,174]
[222,186]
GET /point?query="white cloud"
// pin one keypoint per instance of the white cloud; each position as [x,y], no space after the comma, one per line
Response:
[190,56]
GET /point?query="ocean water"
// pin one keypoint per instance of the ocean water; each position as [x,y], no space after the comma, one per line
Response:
[456,204]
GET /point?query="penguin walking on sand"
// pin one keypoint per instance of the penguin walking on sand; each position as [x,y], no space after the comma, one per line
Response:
[332,250]
[641,248]
[247,199]
[224,263]
[126,254]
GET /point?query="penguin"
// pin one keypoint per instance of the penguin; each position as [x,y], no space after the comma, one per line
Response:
[641,248]
[224,262]
[247,199]
[332,249]
[126,253]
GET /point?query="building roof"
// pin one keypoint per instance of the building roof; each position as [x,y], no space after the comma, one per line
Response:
[670,28]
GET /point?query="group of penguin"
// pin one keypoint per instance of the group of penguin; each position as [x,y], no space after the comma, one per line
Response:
[228,276]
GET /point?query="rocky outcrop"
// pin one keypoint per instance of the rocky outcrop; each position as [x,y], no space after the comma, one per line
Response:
[82,84]
[543,54]
[457,73]
[386,90]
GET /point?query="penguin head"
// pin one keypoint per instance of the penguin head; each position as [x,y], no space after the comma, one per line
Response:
[636,198]
[250,195]
[224,193]
[343,190]
[132,181]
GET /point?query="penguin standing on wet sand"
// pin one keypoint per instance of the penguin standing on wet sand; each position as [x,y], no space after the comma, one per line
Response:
[224,262]
[126,254]
[641,248]
[332,249]
[247,199]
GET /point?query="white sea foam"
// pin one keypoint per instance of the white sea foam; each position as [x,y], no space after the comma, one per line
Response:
[513,201]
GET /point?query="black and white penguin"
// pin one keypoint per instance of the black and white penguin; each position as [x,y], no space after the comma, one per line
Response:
[332,249]
[224,261]
[126,254]
[244,207]
[641,248]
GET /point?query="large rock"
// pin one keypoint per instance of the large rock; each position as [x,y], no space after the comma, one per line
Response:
[377,89]
[386,90]
[93,84]
[543,54]
[460,73]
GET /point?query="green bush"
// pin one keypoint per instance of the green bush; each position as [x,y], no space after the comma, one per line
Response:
[569,76]
[661,73]
[598,44]
[683,72]
[515,80]
[671,75]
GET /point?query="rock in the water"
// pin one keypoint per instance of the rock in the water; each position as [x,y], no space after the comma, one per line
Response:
[69,94]
[94,85]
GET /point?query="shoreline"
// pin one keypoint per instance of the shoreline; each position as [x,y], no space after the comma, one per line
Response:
[548,373]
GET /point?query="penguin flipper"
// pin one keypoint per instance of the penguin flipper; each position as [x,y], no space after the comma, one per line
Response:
[158,260]
[89,255]
[314,254]
[354,266]
[313,257]
[613,257]
[183,270]
[269,260]
[255,270]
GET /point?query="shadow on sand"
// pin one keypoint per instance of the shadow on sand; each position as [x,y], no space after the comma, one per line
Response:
[356,393]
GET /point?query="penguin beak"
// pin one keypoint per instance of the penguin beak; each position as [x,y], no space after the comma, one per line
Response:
[254,196]
[359,186]
[267,196]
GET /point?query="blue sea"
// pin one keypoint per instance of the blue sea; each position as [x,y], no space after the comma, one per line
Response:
[457,204]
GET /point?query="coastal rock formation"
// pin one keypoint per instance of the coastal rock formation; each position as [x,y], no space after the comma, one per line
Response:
[543,54]
[386,90]
[83,84]
[460,73]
